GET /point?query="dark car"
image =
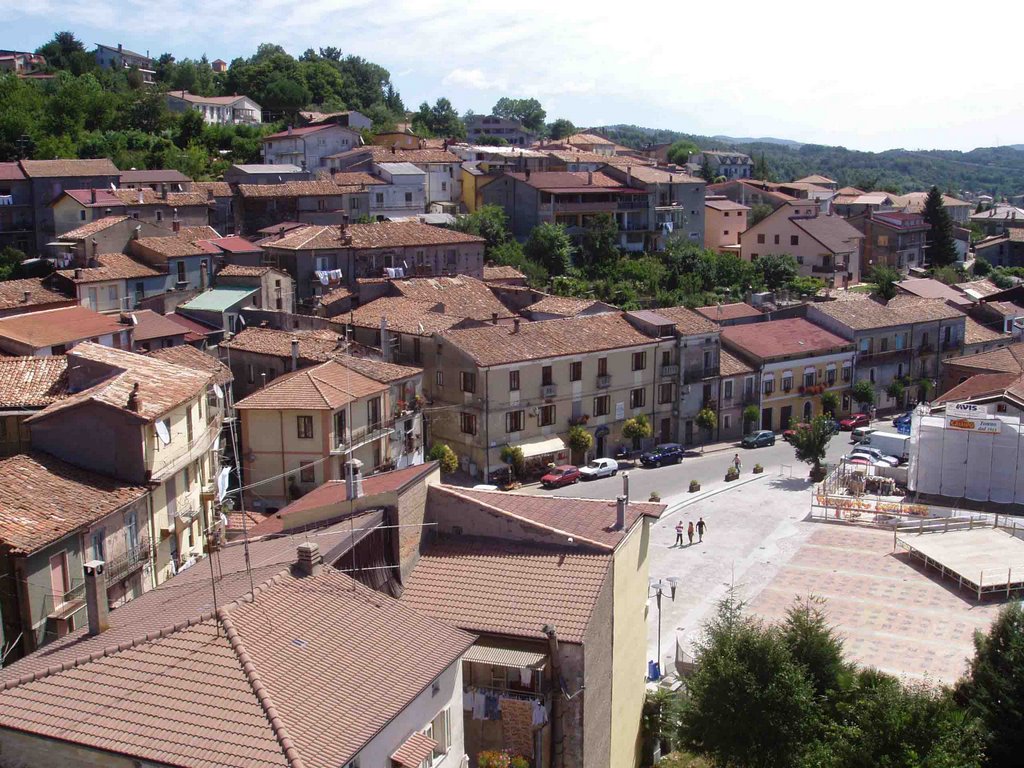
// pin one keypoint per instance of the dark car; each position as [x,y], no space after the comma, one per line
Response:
[566,474]
[758,439]
[855,420]
[666,453]
[902,421]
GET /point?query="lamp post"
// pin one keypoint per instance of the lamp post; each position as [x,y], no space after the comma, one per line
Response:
[660,587]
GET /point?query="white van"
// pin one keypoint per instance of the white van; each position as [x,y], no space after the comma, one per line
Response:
[889,443]
[858,434]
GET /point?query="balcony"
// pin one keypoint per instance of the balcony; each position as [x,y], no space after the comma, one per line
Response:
[605,206]
[603,382]
[631,205]
[363,436]
[699,374]
[669,370]
[124,565]
[926,346]
[548,390]
[949,345]
[882,356]
[828,269]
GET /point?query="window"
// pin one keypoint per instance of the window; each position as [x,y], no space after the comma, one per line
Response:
[514,421]
[809,379]
[545,376]
[769,386]
[81,215]
[408,197]
[639,361]
[787,381]
[776,239]
[444,186]
[307,472]
[665,392]
[637,397]
[467,381]
[794,239]
[305,426]
[847,372]
[830,376]
[131,530]
[1000,407]
[181,272]
[666,357]
[340,426]
[379,198]
[760,239]
[602,405]
[726,421]
[547,415]
[439,379]
[467,423]
[871,375]
[575,371]
[513,381]
[602,366]
[353,203]
[373,413]
[440,731]
[97,544]
[727,390]
[188,423]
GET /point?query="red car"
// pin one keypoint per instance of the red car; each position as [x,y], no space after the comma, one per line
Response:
[855,420]
[787,434]
[566,474]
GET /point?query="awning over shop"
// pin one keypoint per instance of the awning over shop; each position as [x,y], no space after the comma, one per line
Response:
[505,657]
[541,446]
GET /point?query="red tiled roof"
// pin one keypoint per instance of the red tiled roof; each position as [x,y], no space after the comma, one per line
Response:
[94,198]
[314,346]
[86,231]
[502,272]
[220,188]
[403,316]
[565,181]
[290,189]
[976,333]
[730,365]
[507,587]
[12,294]
[733,311]
[240,270]
[32,382]
[154,176]
[112,266]
[187,356]
[185,242]
[149,325]
[327,386]
[782,338]
[297,131]
[566,306]
[147,196]
[463,296]
[338,294]
[385,234]
[978,385]
[58,326]
[378,370]
[44,169]
[234,244]
[355,179]
[43,499]
[1008,359]
[196,331]
[687,321]
[11,172]
[381,154]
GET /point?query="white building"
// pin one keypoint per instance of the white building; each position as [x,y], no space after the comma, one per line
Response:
[217,110]
[309,147]
[404,192]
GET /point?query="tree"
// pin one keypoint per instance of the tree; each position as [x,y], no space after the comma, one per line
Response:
[441,120]
[993,688]
[829,403]
[636,429]
[600,247]
[65,51]
[561,128]
[190,127]
[680,151]
[10,262]
[580,441]
[284,94]
[947,275]
[885,279]
[513,456]
[529,112]
[863,393]
[815,645]
[758,213]
[705,170]
[549,245]
[806,286]
[444,455]
[777,270]
[750,416]
[510,253]
[761,170]
[488,222]
[896,390]
[810,442]
[981,266]
[941,244]
[707,420]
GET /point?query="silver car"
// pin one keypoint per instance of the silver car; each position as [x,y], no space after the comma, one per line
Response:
[599,468]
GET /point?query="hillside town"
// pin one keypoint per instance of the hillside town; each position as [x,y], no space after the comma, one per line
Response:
[395,450]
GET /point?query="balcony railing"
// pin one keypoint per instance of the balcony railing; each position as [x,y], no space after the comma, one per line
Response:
[882,355]
[603,382]
[548,390]
[124,565]
[699,374]
[362,436]
[71,601]
[828,269]
[669,370]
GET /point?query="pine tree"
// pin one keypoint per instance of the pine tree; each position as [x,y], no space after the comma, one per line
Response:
[941,245]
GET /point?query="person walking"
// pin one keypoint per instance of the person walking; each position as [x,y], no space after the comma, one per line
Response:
[701,527]
[679,534]
[736,463]
[689,532]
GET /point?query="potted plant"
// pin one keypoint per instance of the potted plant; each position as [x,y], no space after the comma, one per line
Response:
[758,469]
[694,486]
[655,496]
[731,474]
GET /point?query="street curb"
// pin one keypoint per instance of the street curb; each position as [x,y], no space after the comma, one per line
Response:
[681,505]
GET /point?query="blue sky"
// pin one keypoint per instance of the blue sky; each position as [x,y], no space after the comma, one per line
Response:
[867,76]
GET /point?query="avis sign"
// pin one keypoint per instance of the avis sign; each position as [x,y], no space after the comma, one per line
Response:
[968,417]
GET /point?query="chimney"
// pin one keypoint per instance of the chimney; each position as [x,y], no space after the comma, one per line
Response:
[590,177]
[163,191]
[120,48]
[135,232]
[354,479]
[176,224]
[92,251]
[96,597]
[134,403]
[140,196]
[209,194]
[385,343]
[78,273]
[515,325]
[629,175]
[295,354]
[92,195]
[620,513]
[25,295]
[202,275]
[309,561]
[494,318]
[625,485]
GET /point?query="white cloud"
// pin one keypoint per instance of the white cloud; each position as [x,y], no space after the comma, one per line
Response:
[474,78]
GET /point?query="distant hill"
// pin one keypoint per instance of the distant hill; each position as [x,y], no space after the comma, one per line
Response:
[997,171]
[762,140]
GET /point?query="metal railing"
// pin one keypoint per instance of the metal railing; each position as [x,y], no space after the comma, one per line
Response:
[548,390]
[603,382]
[128,562]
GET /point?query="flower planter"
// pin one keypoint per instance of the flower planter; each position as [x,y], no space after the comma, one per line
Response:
[731,475]
[758,469]
[694,486]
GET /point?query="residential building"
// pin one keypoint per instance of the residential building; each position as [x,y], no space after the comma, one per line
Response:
[277,289]
[904,340]
[109,57]
[230,662]
[58,517]
[738,389]
[999,218]
[857,203]
[1003,250]
[309,147]
[49,178]
[221,307]
[503,275]
[77,207]
[796,361]
[824,246]
[893,239]
[337,302]
[17,214]
[980,337]
[331,415]
[184,258]
[571,199]
[30,295]
[554,307]
[27,384]
[736,313]
[724,220]
[263,173]
[540,580]
[115,283]
[400,191]
[732,165]
[507,129]
[110,234]
[153,331]
[55,331]
[217,110]
[156,180]
[913,202]
[258,356]
[590,142]
[220,199]
[347,118]
[527,383]
[144,421]
[749,192]
[322,258]
[21,62]
[1004,360]
[820,181]
[930,288]
[695,365]
[306,202]
[675,202]
[443,183]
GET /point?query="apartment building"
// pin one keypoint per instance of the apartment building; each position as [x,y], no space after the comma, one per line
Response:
[77,207]
[724,220]
[675,202]
[115,282]
[738,388]
[55,331]
[307,202]
[143,421]
[443,181]
[17,218]
[400,191]
[731,165]
[891,239]
[217,110]
[507,129]
[824,246]
[109,57]
[526,384]
[309,147]
[796,362]
[695,365]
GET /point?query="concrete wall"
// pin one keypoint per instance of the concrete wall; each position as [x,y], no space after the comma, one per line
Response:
[600,729]
[520,201]
[95,438]
[46,190]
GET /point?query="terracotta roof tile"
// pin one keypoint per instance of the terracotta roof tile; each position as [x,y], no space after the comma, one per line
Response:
[112,266]
[381,154]
[290,189]
[586,138]
[314,346]
[1008,359]
[566,306]
[730,365]
[240,270]
[187,356]
[976,333]
[327,386]
[220,188]
[507,588]
[414,751]
[982,287]
[378,370]
[155,176]
[94,198]
[781,338]
[146,196]
[11,172]
[502,272]
[977,386]
[687,321]
[404,316]
[355,179]
[860,312]
[86,231]
[463,296]
[733,311]
[43,499]
[149,325]
[12,294]
[834,232]
[44,169]
[58,326]
[385,234]
[338,294]
[195,331]
[580,181]
[234,244]
[929,288]
[186,242]
[498,344]
[32,382]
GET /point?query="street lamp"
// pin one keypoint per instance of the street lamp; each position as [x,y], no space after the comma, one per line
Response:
[660,587]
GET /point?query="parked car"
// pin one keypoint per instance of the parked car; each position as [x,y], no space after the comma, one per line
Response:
[758,439]
[902,421]
[666,453]
[787,434]
[567,474]
[599,468]
[875,455]
[860,433]
[855,420]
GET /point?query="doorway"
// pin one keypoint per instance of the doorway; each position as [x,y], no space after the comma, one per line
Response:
[785,416]
[689,433]
[666,430]
[766,418]
[808,410]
